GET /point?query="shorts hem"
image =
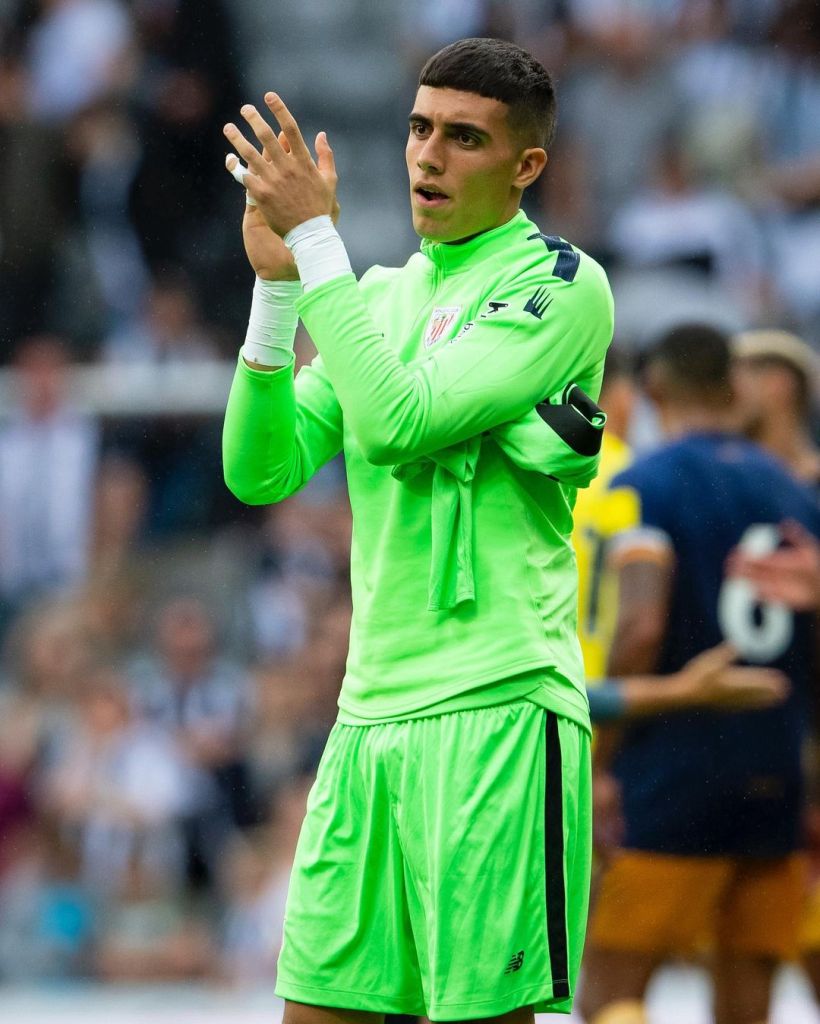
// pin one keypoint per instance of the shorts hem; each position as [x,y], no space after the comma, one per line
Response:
[342,999]
[540,998]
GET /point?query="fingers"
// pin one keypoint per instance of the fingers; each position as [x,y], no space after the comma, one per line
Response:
[239,172]
[247,151]
[325,160]
[753,687]
[263,131]
[288,125]
[236,168]
[717,658]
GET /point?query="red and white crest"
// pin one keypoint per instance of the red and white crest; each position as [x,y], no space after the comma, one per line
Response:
[441,320]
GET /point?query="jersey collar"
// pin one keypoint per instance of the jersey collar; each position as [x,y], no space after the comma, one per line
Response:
[452,257]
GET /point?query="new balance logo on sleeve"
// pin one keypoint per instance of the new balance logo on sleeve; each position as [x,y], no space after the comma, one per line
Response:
[537,305]
[516,960]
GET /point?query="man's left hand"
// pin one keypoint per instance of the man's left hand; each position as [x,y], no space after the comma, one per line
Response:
[286,184]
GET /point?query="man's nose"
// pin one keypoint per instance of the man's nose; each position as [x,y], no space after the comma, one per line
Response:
[430,158]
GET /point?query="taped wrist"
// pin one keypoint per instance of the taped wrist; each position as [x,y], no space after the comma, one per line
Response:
[272,322]
[319,252]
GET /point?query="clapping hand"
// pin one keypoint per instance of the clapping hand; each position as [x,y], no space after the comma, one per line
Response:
[286,184]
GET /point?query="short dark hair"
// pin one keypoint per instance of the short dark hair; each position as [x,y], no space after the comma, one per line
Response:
[499,70]
[697,360]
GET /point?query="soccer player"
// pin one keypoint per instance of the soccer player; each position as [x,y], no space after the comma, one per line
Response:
[600,514]
[443,865]
[711,800]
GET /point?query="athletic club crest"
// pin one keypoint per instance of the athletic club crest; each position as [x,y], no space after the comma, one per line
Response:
[441,320]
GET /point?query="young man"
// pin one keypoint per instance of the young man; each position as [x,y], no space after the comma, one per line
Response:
[711,800]
[444,860]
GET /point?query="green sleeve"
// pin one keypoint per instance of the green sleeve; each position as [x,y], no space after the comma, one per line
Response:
[503,367]
[278,431]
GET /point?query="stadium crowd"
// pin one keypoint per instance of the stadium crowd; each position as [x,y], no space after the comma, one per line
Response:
[171,659]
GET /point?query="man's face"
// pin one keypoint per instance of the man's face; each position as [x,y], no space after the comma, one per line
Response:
[466,169]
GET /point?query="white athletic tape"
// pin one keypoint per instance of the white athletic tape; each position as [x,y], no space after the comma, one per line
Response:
[238,172]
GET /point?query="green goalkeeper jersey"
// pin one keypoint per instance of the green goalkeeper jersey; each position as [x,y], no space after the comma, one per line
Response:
[419,369]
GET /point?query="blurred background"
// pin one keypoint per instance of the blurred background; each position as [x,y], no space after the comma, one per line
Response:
[171,658]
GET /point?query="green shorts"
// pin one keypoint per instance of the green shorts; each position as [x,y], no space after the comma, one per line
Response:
[443,867]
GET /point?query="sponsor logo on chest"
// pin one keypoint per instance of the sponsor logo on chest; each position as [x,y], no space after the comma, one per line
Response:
[440,324]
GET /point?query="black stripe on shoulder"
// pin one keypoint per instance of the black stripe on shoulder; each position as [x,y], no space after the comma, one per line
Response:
[577,421]
[566,266]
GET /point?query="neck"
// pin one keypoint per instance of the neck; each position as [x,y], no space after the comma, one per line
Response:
[508,216]
[678,420]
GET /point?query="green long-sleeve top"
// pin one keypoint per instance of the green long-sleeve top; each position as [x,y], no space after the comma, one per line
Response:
[433,379]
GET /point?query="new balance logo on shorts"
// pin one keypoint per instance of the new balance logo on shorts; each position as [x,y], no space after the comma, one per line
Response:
[515,962]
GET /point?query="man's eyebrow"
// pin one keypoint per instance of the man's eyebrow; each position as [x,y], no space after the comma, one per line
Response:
[459,126]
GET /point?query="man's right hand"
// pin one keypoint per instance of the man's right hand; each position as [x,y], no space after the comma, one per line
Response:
[267,253]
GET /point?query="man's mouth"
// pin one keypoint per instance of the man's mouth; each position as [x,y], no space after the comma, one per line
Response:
[430,196]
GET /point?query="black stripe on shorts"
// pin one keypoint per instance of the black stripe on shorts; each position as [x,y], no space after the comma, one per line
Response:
[554,862]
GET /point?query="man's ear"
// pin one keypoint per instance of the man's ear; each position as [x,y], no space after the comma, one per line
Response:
[530,165]
[653,380]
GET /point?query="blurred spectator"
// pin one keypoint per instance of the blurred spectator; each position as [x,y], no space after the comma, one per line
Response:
[776,378]
[304,555]
[122,786]
[616,105]
[186,90]
[35,201]
[77,52]
[296,700]
[168,330]
[255,880]
[48,457]
[120,513]
[50,652]
[283,714]
[790,101]
[104,145]
[47,918]
[704,236]
[204,702]
[149,934]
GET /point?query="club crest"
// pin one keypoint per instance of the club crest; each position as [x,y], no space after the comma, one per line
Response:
[441,320]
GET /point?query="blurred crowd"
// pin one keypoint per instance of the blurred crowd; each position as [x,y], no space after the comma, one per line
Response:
[171,660]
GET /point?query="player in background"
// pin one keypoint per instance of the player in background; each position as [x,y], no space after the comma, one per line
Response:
[711,800]
[454,789]
[600,514]
[776,378]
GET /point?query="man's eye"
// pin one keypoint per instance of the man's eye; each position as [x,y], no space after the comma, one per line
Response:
[418,129]
[467,140]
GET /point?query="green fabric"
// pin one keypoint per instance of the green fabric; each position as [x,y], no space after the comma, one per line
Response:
[434,363]
[404,857]
[546,688]
[531,445]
